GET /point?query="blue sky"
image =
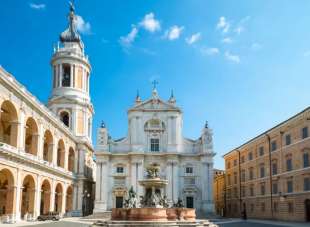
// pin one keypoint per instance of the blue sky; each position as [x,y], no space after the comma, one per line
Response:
[242,65]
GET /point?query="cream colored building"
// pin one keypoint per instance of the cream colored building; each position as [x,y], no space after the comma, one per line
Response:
[269,176]
[46,153]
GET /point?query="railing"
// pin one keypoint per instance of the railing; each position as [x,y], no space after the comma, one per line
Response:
[30,157]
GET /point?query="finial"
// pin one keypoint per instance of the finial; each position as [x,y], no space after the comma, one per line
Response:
[154,92]
[172,99]
[138,99]
[102,124]
[206,124]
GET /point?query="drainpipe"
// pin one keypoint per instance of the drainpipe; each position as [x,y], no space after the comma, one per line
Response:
[270,174]
[240,199]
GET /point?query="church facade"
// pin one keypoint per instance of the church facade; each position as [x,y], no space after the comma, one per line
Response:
[155,137]
[46,152]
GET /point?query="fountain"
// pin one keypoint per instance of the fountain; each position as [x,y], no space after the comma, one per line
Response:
[153,208]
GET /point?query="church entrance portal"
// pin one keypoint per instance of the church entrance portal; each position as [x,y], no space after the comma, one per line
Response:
[189,202]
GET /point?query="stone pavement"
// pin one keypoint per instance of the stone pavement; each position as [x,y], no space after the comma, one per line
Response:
[221,222]
[257,222]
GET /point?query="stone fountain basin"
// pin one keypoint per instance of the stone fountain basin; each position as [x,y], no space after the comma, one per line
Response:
[153,182]
[153,214]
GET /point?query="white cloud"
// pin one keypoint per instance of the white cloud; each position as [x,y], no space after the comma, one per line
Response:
[193,38]
[149,23]
[240,27]
[256,46]
[82,26]
[232,57]
[174,32]
[227,40]
[37,6]
[223,25]
[307,53]
[209,51]
[126,41]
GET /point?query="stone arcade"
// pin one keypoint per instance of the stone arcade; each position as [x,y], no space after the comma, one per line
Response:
[155,137]
[46,153]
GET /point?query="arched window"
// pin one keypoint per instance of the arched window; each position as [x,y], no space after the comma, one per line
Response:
[65,118]
[66,75]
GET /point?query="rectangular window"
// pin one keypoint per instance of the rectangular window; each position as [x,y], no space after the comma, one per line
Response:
[307,184]
[228,179]
[262,171]
[304,132]
[261,151]
[290,207]
[306,160]
[235,178]
[243,175]
[235,162]
[243,191]
[250,156]
[242,159]
[275,188]
[288,139]
[262,189]
[235,192]
[263,207]
[251,191]
[154,145]
[189,170]
[289,164]
[120,169]
[289,186]
[274,169]
[273,145]
[228,165]
[251,174]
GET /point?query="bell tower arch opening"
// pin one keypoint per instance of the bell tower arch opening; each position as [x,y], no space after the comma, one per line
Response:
[71,76]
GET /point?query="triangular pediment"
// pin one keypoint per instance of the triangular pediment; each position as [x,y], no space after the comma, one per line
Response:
[155,105]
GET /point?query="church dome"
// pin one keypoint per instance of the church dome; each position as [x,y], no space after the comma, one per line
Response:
[70,34]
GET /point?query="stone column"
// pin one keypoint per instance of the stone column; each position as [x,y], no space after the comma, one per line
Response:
[140,191]
[80,194]
[75,197]
[134,175]
[66,159]
[52,196]
[18,190]
[104,186]
[170,183]
[71,75]
[63,201]
[37,198]
[40,143]
[175,168]
[60,75]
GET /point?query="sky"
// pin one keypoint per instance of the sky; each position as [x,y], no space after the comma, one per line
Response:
[242,65]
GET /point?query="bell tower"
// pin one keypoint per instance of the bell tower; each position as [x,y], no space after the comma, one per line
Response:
[70,99]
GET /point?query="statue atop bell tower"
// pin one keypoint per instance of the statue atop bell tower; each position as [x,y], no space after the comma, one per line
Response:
[70,99]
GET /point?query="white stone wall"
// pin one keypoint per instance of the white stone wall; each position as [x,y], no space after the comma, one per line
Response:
[176,153]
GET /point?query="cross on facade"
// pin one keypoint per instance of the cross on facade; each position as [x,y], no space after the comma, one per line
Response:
[155,82]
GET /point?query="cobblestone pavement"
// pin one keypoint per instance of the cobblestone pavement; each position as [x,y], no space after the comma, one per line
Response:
[249,224]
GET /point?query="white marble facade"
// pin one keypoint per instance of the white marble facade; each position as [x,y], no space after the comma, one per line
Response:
[155,136]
